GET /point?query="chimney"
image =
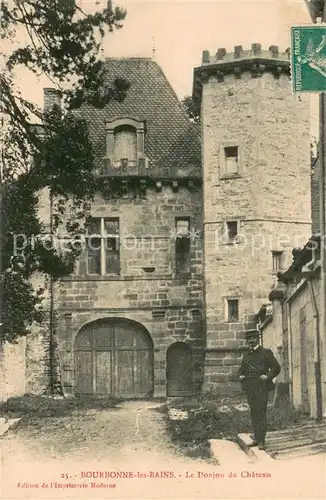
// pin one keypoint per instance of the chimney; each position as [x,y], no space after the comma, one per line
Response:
[51,97]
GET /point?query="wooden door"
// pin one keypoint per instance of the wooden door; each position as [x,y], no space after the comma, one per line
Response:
[84,372]
[103,373]
[179,370]
[134,361]
[144,370]
[305,404]
[114,358]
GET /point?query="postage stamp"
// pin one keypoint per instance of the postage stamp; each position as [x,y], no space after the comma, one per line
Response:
[308,58]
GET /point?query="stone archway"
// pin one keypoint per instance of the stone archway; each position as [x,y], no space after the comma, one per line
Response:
[179,372]
[114,357]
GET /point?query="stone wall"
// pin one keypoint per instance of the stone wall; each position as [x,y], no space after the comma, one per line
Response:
[302,357]
[38,341]
[270,198]
[168,305]
[273,338]
[12,369]
[290,333]
[315,198]
[38,359]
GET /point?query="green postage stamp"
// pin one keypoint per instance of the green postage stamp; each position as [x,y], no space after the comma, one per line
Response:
[308,58]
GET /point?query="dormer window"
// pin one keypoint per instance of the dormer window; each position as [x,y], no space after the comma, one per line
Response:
[125,143]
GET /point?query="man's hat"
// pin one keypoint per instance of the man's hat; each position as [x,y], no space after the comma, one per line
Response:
[252,334]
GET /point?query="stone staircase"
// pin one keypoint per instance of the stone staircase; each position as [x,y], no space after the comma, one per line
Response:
[297,441]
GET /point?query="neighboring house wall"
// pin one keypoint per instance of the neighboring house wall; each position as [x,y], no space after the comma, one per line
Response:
[273,337]
[302,352]
[38,377]
[315,197]
[13,369]
[270,338]
[292,334]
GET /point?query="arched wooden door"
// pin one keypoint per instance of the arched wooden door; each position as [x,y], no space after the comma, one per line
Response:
[114,357]
[179,370]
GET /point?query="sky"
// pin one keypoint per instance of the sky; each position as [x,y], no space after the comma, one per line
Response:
[181,30]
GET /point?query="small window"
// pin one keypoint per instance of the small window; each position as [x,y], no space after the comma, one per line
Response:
[231,230]
[277,257]
[125,143]
[182,225]
[231,156]
[233,310]
[182,246]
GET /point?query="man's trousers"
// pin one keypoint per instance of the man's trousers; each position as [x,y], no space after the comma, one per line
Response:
[257,395]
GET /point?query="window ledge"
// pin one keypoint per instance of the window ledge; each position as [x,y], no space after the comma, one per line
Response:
[92,277]
[119,277]
[237,242]
[230,176]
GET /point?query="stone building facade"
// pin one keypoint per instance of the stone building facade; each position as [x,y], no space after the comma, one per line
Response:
[187,232]
[256,186]
[129,320]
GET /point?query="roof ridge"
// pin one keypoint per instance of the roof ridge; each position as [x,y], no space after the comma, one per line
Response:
[127,58]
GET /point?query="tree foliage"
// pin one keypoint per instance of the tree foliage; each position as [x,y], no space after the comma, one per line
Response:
[58,39]
[317,9]
[190,108]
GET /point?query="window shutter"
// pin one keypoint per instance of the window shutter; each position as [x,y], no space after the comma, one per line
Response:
[125,145]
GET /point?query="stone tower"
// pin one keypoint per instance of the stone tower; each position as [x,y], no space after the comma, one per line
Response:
[256,182]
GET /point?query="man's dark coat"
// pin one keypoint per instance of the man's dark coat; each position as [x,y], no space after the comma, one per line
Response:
[258,362]
[254,364]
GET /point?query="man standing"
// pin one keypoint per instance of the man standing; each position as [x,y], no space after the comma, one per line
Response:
[256,372]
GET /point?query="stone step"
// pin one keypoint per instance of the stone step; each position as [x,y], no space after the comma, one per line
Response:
[288,445]
[244,441]
[300,451]
[291,449]
[299,427]
[293,437]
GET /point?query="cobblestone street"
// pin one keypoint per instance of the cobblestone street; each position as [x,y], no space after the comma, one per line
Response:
[58,453]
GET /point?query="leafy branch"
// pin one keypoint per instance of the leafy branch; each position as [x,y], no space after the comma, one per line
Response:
[47,151]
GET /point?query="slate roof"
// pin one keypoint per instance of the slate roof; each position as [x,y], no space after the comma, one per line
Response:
[170,138]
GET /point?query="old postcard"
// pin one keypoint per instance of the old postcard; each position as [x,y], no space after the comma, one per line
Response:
[162,249]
